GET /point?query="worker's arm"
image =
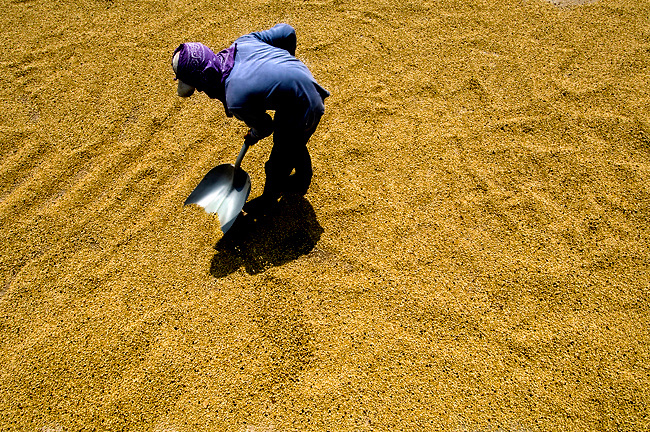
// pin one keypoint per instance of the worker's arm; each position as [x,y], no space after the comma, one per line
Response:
[259,122]
[281,36]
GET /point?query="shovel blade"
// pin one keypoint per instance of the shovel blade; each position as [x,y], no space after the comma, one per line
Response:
[224,190]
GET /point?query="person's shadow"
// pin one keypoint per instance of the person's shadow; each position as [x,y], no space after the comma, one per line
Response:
[288,232]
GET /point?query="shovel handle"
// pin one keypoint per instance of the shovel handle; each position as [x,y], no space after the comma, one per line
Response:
[242,152]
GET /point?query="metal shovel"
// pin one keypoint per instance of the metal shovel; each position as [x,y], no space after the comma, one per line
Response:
[224,190]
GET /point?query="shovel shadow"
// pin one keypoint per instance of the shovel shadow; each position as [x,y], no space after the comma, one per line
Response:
[258,244]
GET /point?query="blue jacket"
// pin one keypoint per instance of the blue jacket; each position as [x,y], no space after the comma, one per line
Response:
[267,76]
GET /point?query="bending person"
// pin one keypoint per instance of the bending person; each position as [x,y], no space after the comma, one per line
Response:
[257,73]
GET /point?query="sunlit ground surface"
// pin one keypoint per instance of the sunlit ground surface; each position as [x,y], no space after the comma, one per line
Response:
[472,254]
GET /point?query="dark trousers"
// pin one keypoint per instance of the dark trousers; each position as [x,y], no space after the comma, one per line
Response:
[291,133]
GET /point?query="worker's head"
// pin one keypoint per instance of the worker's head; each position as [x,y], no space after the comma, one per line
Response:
[198,68]
[184,89]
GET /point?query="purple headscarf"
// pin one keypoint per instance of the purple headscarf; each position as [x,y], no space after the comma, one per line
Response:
[199,67]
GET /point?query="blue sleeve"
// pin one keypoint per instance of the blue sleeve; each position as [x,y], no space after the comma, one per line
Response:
[260,123]
[280,36]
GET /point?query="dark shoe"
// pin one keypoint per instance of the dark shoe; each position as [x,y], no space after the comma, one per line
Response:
[260,206]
